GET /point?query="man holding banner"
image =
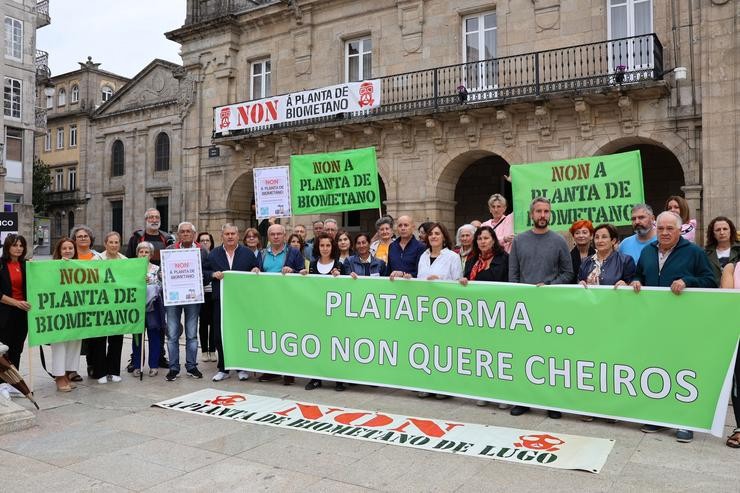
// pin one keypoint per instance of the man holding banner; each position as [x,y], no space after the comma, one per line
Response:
[676,263]
[175,306]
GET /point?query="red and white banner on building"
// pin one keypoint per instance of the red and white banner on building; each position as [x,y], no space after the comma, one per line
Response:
[490,442]
[325,101]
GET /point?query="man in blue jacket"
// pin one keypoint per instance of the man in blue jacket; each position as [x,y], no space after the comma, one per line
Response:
[231,255]
[675,263]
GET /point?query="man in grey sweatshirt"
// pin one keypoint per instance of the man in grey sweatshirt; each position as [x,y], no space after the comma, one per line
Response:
[539,256]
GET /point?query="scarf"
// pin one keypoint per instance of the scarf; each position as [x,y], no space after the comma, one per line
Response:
[483,262]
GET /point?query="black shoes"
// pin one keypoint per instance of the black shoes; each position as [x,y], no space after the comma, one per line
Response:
[313,384]
[163,363]
[171,375]
[519,410]
[340,387]
[195,373]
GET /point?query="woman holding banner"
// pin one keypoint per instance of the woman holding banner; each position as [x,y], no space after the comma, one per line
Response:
[582,232]
[326,253]
[296,242]
[65,356]
[107,349]
[502,223]
[438,262]
[362,263]
[13,305]
[720,245]
[205,317]
[731,280]
[84,239]
[607,266]
[154,321]
[253,241]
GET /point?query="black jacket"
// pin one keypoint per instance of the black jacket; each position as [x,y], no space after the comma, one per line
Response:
[498,270]
[7,289]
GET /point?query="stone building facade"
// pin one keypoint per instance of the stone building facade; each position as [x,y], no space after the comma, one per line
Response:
[542,83]
[22,66]
[65,148]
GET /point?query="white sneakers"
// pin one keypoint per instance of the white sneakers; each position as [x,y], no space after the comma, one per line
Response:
[220,376]
[243,375]
[4,390]
[102,380]
[115,378]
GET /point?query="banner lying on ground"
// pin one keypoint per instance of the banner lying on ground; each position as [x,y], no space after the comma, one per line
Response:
[600,188]
[647,357]
[491,442]
[272,192]
[75,299]
[324,101]
[334,181]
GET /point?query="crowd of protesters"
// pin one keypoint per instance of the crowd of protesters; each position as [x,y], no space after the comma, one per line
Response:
[661,252]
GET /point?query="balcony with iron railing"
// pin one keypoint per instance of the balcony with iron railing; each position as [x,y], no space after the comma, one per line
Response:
[625,63]
[64,197]
[42,13]
[43,72]
[41,120]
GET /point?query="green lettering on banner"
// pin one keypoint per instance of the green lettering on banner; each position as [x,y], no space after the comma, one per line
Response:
[334,182]
[643,357]
[602,189]
[74,299]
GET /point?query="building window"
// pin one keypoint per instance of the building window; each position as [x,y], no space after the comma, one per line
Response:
[117,165]
[116,213]
[47,141]
[162,152]
[13,155]
[13,38]
[61,97]
[479,45]
[106,93]
[73,136]
[58,180]
[12,98]
[162,204]
[261,74]
[58,224]
[72,178]
[358,60]
[49,102]
[60,138]
[74,96]
[626,19]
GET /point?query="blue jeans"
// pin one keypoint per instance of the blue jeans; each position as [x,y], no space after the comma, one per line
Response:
[174,330]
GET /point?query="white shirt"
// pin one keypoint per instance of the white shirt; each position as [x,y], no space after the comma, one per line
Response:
[447,266]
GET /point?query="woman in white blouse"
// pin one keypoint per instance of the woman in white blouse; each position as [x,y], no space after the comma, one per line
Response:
[439,261]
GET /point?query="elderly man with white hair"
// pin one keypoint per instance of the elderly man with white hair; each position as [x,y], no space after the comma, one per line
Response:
[676,263]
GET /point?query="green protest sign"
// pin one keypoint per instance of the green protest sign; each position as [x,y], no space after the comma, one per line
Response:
[334,181]
[600,188]
[646,357]
[75,299]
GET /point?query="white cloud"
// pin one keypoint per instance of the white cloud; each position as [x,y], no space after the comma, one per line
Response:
[122,35]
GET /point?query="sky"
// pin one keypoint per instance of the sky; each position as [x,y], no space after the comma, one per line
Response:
[123,35]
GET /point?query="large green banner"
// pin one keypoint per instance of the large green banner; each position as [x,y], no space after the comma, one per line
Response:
[334,181]
[649,357]
[75,299]
[600,188]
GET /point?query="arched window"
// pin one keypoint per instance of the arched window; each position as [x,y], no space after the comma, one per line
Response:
[162,152]
[61,97]
[106,93]
[117,167]
[75,94]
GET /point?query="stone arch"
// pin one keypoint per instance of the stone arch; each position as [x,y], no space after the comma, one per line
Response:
[240,201]
[464,184]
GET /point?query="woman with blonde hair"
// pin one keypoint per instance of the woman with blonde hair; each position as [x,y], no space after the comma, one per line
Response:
[501,223]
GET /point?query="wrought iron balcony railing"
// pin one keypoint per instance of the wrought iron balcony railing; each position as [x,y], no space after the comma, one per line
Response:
[43,73]
[42,13]
[41,119]
[64,197]
[614,62]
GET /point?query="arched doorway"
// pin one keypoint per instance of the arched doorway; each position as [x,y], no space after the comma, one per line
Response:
[481,179]
[365,220]
[662,174]
[240,203]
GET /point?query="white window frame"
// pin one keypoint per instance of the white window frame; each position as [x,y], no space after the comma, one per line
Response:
[73,136]
[480,72]
[15,100]
[47,141]
[363,72]
[106,93]
[630,6]
[74,94]
[14,38]
[49,102]
[72,178]
[60,138]
[58,180]
[62,97]
[260,84]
